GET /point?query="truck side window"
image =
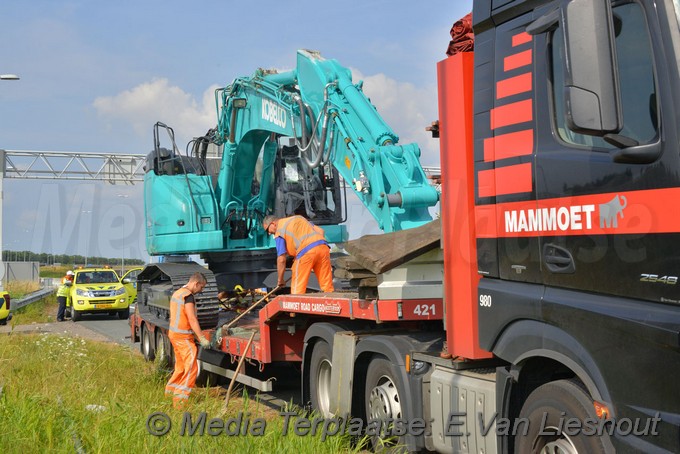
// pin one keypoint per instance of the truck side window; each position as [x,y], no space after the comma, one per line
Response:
[636,75]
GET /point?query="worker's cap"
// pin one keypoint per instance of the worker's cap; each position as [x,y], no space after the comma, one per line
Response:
[69,273]
[268,220]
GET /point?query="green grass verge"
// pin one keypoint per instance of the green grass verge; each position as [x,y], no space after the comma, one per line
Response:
[54,271]
[42,311]
[65,394]
[19,289]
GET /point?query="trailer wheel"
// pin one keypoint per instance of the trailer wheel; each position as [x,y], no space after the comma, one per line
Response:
[145,344]
[546,409]
[383,403]
[163,350]
[204,378]
[320,367]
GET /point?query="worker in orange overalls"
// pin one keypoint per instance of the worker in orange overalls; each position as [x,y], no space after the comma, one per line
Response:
[297,237]
[183,326]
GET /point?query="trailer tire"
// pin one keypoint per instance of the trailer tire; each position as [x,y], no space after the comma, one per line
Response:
[383,402]
[163,349]
[320,367]
[204,378]
[145,345]
[549,405]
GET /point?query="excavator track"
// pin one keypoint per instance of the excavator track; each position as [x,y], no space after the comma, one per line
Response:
[157,282]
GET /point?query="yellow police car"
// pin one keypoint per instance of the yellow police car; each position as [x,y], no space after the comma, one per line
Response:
[96,291]
[5,316]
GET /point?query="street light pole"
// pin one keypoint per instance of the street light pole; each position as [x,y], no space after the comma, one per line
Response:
[87,239]
[122,237]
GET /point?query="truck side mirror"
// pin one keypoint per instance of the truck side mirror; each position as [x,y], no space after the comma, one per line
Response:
[591,83]
[591,89]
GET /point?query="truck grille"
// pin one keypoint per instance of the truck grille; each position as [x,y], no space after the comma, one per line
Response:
[101,293]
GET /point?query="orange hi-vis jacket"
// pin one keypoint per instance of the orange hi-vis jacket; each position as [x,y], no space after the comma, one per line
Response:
[179,324]
[298,234]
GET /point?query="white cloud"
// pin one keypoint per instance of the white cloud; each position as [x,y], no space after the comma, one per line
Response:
[145,104]
[407,109]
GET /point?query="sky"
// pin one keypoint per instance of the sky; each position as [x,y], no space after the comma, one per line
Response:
[96,75]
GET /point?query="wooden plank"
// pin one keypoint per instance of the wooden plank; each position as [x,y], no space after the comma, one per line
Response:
[368,282]
[382,252]
[348,263]
[344,274]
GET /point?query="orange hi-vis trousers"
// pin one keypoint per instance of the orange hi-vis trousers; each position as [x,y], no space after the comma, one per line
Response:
[318,259]
[183,379]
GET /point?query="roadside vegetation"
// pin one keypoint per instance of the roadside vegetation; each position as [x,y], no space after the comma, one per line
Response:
[42,311]
[19,289]
[55,271]
[66,394]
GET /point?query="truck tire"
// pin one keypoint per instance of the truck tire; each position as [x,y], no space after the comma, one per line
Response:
[545,407]
[124,314]
[145,346]
[320,367]
[75,315]
[383,402]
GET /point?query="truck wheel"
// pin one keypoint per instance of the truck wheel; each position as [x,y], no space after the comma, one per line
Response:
[124,314]
[320,367]
[75,315]
[546,406]
[145,345]
[383,403]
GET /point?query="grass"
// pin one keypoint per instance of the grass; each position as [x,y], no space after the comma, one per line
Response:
[54,271]
[19,289]
[42,311]
[66,394]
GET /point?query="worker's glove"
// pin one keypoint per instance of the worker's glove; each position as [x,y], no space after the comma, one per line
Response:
[205,343]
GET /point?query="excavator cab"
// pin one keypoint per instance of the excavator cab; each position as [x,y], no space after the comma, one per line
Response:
[168,161]
[314,193]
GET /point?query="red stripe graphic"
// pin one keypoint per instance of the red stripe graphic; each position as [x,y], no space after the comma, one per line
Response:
[511,145]
[505,180]
[513,85]
[512,114]
[521,38]
[517,61]
[635,212]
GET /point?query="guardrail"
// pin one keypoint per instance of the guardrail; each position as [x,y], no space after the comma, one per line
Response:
[32,298]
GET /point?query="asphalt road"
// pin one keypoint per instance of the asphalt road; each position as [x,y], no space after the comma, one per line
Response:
[111,327]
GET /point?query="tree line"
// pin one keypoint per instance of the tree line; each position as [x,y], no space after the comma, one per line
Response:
[64,259]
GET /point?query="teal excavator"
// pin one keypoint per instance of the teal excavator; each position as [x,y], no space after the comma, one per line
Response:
[284,144]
